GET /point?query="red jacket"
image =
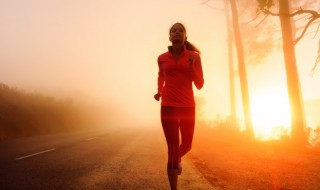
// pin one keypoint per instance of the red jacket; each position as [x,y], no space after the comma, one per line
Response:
[175,78]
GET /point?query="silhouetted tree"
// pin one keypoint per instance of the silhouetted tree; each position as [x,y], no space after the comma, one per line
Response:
[234,24]
[293,82]
[242,70]
[233,113]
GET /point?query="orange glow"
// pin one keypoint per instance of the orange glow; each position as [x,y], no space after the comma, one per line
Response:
[106,51]
[270,113]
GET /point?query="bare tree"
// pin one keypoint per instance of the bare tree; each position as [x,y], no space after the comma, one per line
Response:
[242,69]
[234,30]
[230,63]
[293,82]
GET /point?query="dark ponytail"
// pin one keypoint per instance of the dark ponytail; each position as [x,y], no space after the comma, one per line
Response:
[188,45]
[191,47]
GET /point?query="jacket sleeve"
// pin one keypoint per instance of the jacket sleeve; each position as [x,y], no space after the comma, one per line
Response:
[198,73]
[160,77]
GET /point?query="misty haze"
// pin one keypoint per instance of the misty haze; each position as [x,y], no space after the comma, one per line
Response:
[78,83]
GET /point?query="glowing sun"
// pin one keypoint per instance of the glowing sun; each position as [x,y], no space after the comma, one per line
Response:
[270,112]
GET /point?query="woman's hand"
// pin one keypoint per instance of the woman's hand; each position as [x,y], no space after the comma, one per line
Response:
[191,61]
[157,96]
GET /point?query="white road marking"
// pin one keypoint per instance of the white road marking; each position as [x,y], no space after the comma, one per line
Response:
[91,138]
[35,154]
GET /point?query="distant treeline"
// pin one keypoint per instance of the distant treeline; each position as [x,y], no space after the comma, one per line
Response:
[26,114]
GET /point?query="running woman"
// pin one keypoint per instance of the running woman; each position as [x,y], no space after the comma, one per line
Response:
[179,68]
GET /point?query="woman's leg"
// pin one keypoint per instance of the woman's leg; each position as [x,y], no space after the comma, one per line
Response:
[170,125]
[187,123]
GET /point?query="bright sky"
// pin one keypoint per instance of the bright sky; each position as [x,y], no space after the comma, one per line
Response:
[107,50]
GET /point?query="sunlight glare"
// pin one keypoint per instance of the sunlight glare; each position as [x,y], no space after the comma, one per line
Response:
[270,112]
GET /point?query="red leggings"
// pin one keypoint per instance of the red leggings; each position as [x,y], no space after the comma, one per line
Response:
[175,119]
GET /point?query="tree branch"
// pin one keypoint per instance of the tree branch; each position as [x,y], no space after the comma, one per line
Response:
[317,33]
[317,60]
[268,12]
[298,12]
[301,11]
[213,8]
[304,30]
[262,20]
[314,15]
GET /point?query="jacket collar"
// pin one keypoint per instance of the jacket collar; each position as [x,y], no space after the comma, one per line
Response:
[170,49]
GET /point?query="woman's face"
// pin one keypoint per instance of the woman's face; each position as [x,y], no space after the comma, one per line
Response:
[177,34]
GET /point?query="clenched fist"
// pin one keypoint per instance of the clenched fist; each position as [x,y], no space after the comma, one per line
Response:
[157,96]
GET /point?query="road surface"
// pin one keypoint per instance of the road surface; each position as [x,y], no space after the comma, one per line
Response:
[102,159]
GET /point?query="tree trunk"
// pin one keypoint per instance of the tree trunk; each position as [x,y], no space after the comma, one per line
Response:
[233,113]
[242,71]
[293,83]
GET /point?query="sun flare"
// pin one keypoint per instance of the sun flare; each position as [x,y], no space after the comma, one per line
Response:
[270,112]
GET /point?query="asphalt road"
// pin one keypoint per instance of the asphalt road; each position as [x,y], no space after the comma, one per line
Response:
[102,159]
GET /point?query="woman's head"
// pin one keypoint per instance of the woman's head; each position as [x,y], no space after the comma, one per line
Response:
[178,34]
[178,24]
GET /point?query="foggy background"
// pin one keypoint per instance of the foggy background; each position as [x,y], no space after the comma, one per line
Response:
[104,53]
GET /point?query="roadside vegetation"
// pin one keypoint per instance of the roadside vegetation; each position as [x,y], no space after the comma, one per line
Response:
[26,114]
[229,159]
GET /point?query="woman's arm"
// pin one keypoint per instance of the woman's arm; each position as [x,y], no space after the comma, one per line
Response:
[160,82]
[197,71]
